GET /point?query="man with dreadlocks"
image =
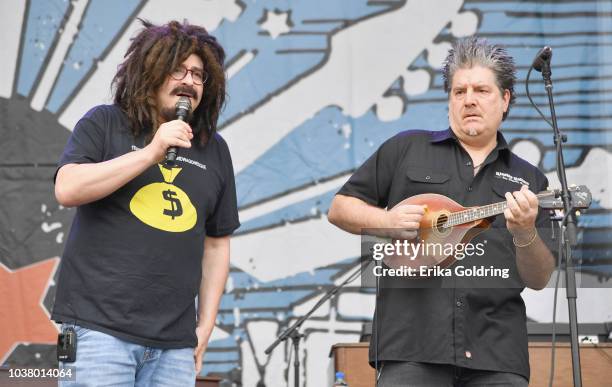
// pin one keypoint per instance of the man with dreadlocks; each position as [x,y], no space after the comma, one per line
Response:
[455,329]
[148,237]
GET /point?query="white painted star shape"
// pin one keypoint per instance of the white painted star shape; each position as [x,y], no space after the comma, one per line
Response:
[276,23]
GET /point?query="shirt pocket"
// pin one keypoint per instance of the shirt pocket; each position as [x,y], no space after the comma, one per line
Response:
[421,181]
[500,187]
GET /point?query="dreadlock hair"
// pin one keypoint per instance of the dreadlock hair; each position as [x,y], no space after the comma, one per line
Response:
[153,54]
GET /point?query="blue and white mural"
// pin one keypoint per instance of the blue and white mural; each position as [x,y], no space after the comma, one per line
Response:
[314,88]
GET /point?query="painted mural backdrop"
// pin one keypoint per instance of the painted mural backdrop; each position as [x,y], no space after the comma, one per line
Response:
[314,88]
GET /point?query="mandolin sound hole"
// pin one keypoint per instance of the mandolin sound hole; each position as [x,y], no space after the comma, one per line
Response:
[441,223]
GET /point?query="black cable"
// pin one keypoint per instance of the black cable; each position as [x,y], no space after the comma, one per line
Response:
[531,100]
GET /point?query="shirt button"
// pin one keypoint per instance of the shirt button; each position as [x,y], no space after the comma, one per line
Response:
[468,354]
[470,188]
[468,163]
[427,177]
[459,303]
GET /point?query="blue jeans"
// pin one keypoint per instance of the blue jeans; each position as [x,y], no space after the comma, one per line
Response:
[104,360]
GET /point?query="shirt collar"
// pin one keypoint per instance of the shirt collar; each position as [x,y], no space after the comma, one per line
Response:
[502,147]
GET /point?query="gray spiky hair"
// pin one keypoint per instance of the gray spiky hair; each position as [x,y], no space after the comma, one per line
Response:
[474,51]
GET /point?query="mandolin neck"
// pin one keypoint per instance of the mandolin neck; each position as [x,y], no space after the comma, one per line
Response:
[476,213]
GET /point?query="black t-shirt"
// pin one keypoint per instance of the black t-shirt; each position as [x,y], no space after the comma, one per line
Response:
[132,263]
[464,324]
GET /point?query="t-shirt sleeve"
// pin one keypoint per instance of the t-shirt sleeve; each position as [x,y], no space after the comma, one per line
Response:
[224,219]
[85,144]
[371,182]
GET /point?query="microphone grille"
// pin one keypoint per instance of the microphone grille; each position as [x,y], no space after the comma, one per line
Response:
[184,103]
[544,55]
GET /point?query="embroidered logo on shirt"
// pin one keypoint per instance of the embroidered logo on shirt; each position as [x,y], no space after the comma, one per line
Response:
[514,179]
[192,162]
[180,158]
[164,205]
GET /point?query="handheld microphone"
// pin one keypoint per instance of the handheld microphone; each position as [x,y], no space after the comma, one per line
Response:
[543,56]
[183,108]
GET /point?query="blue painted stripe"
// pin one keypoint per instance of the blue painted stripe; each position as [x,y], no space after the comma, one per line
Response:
[243,281]
[573,109]
[575,138]
[496,22]
[532,6]
[594,236]
[263,300]
[593,254]
[307,208]
[268,63]
[595,220]
[45,17]
[218,368]
[226,318]
[603,269]
[536,41]
[569,155]
[101,23]
[571,123]
[226,356]
[223,343]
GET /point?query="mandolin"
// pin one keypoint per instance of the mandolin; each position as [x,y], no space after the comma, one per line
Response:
[446,224]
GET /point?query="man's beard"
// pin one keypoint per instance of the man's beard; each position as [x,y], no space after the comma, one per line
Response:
[472,132]
[169,114]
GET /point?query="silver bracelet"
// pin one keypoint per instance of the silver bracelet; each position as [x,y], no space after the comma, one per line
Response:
[533,238]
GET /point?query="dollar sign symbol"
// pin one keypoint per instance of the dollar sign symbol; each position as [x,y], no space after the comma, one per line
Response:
[176,209]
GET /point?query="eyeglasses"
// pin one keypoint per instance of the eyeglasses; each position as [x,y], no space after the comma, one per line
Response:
[199,77]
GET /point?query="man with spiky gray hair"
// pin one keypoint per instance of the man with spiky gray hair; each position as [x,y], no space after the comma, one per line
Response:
[457,331]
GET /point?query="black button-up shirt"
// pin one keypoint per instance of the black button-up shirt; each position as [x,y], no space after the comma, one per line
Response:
[464,324]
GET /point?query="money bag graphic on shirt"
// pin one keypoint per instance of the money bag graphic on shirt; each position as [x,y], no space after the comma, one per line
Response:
[163,205]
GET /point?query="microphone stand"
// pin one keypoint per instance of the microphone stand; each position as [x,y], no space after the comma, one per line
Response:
[569,225]
[293,332]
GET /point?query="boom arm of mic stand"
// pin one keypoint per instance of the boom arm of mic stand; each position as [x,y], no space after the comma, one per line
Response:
[329,294]
[293,331]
